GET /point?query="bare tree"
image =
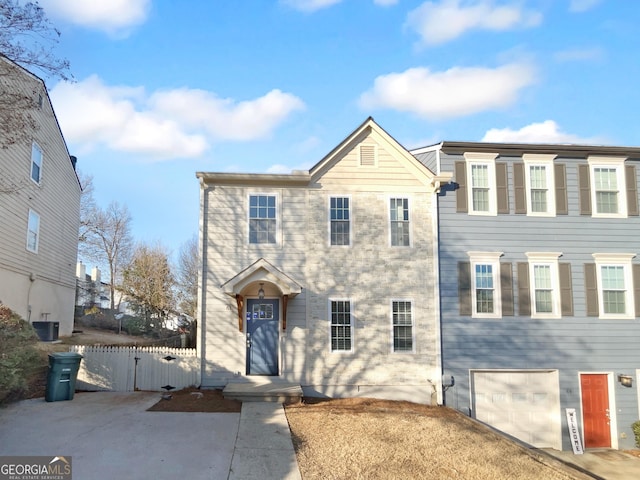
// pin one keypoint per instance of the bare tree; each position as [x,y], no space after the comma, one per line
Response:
[18,103]
[27,39]
[147,283]
[87,209]
[8,184]
[107,240]
[187,277]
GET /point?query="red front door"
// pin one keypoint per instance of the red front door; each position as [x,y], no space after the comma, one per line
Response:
[595,410]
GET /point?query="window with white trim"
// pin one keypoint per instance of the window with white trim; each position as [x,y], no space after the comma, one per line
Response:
[36,162]
[341,326]
[262,219]
[608,187]
[399,222]
[485,284]
[545,284]
[402,324]
[481,178]
[540,184]
[615,285]
[340,221]
[33,232]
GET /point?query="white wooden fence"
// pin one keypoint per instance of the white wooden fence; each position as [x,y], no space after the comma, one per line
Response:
[125,369]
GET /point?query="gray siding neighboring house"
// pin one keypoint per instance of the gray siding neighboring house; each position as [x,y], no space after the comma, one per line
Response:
[540,288]
[39,209]
[343,258]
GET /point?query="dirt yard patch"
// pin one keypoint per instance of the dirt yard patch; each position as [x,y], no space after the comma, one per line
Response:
[377,439]
[194,400]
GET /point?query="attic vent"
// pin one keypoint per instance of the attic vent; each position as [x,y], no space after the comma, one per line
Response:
[367,155]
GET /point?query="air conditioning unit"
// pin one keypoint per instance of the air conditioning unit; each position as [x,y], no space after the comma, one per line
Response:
[47,331]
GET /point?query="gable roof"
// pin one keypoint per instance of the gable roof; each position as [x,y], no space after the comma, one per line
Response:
[390,144]
[261,271]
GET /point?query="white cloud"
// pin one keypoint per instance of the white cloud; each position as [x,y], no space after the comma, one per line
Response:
[111,16]
[279,168]
[579,55]
[440,22]
[582,5]
[543,132]
[223,118]
[307,145]
[310,5]
[128,119]
[452,93]
[385,3]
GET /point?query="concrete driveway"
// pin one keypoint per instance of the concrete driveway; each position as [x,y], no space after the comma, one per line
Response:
[111,435]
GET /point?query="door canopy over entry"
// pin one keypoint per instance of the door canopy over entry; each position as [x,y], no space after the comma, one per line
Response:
[260,272]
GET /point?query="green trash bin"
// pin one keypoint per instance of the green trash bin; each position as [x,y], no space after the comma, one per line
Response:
[61,379]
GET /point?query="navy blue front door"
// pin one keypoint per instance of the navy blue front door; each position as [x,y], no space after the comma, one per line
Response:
[262,337]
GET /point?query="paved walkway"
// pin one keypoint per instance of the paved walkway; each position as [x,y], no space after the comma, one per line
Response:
[601,464]
[111,435]
[264,448]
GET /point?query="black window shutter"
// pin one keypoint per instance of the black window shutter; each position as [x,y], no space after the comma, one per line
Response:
[591,286]
[560,174]
[464,288]
[524,296]
[566,290]
[585,189]
[519,187]
[506,288]
[461,192]
[502,187]
[636,288]
[632,190]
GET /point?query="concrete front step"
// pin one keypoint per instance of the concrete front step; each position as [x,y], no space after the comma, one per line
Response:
[263,392]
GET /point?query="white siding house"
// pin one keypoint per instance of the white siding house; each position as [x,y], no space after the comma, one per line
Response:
[325,278]
[39,206]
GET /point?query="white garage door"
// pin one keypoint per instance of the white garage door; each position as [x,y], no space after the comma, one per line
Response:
[524,404]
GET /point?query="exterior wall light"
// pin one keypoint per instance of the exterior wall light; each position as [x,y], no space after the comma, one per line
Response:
[261,291]
[625,380]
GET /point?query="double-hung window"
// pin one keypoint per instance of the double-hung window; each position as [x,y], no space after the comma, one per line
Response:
[340,223]
[545,284]
[399,217]
[481,178]
[608,190]
[262,219]
[615,285]
[402,324]
[341,326]
[539,177]
[33,231]
[36,162]
[485,284]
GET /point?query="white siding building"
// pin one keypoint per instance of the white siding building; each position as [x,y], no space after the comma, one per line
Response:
[39,207]
[325,278]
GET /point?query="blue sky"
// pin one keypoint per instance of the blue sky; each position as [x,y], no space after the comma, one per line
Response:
[164,88]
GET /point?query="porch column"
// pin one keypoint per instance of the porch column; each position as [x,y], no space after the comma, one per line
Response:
[285,299]
[240,303]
